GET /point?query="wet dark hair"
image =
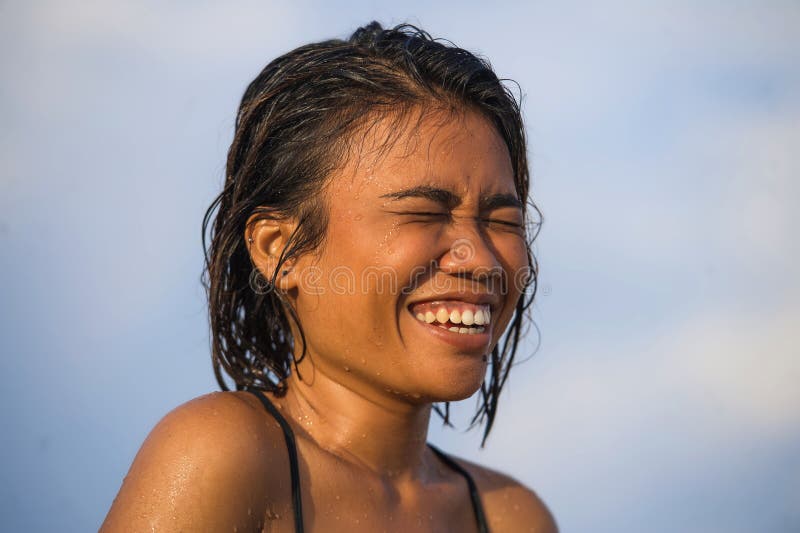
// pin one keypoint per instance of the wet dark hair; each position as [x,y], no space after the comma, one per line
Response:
[293,128]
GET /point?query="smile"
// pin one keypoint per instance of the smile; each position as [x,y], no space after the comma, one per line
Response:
[463,324]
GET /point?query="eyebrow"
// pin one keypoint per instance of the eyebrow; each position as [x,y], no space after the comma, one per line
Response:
[496,201]
[441,196]
[450,199]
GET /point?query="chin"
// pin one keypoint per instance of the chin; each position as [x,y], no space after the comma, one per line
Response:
[453,384]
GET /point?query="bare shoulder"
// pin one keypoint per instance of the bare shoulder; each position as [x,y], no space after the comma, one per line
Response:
[205,466]
[510,505]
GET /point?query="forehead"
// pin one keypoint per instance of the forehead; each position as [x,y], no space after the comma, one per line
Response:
[458,150]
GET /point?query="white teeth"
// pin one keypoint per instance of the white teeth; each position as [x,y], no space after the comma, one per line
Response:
[467,317]
[466,331]
[429,317]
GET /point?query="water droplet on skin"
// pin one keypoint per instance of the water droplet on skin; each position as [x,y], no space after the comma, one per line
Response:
[347,369]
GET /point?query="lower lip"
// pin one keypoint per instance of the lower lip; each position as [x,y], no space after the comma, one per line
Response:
[477,342]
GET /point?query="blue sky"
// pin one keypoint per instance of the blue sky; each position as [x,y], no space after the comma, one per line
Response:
[665,149]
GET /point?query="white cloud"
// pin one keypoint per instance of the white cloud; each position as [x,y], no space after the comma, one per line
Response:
[690,416]
[744,368]
[736,370]
[757,212]
[205,30]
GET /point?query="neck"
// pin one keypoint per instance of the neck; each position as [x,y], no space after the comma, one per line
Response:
[379,432]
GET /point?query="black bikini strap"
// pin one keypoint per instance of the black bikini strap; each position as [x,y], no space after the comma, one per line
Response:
[477,507]
[294,470]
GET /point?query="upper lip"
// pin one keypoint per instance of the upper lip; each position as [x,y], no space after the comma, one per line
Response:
[469,297]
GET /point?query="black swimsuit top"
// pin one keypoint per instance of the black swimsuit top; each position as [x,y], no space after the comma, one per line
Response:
[297,504]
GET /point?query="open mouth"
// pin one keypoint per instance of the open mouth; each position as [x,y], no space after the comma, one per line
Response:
[455,320]
[457,328]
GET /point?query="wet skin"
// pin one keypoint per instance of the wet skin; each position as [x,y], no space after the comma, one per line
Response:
[372,369]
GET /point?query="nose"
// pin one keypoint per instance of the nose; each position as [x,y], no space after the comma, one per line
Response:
[470,255]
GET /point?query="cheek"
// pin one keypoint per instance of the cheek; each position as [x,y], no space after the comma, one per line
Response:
[513,254]
[411,255]
[352,280]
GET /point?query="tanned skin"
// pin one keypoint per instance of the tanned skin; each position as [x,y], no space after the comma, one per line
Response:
[372,371]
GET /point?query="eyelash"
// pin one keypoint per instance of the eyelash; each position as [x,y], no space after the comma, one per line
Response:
[431,215]
[447,215]
[505,223]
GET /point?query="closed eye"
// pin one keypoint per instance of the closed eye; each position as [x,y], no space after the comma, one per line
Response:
[430,216]
[505,223]
[425,214]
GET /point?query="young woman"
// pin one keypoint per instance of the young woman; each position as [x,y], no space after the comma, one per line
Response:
[369,258]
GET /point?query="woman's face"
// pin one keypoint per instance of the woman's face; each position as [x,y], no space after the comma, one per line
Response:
[423,262]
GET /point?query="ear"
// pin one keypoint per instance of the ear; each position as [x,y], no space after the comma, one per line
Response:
[266,239]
